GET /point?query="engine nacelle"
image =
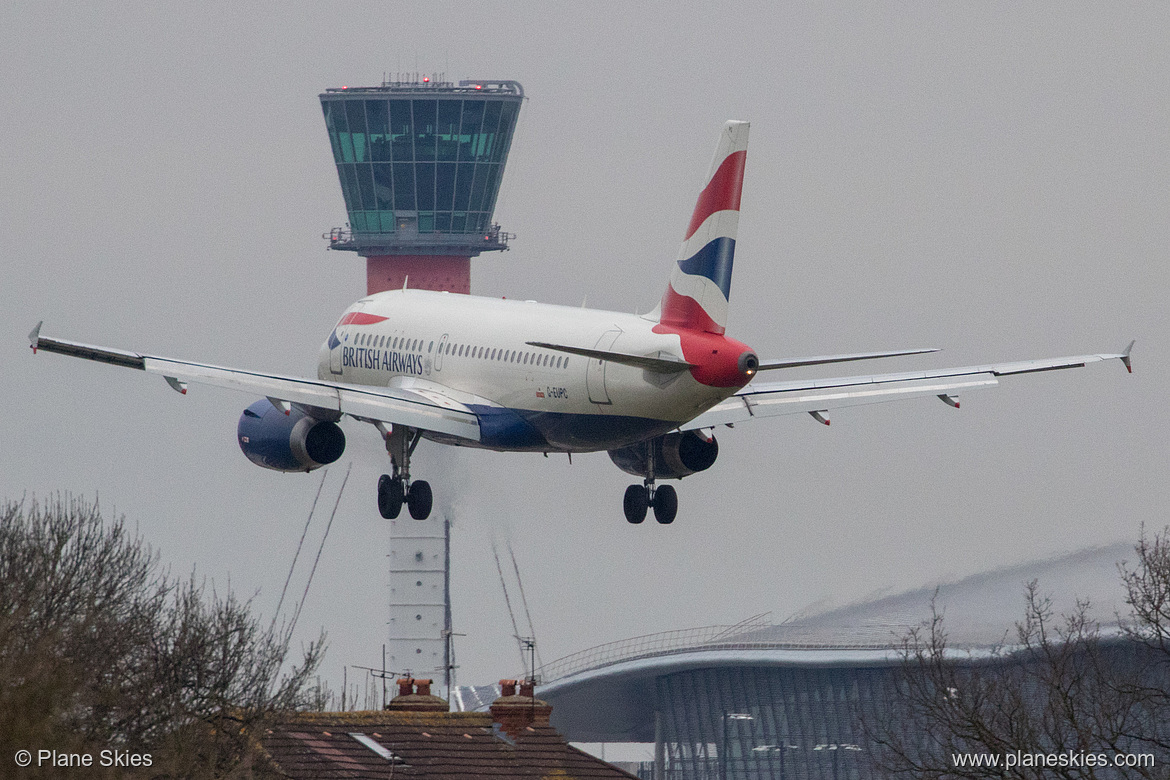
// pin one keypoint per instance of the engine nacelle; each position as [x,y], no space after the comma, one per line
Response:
[288,442]
[676,455]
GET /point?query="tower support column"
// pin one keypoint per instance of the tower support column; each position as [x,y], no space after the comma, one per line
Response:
[418,272]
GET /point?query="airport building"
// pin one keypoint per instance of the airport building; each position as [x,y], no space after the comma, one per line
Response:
[765,700]
[420,163]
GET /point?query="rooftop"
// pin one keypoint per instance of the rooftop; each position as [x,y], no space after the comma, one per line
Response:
[980,612]
[430,744]
[416,83]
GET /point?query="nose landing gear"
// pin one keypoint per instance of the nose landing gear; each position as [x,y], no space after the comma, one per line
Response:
[395,489]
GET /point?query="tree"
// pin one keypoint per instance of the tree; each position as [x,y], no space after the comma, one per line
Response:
[99,649]
[1062,688]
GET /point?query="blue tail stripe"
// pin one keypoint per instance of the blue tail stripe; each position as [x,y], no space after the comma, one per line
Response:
[714,262]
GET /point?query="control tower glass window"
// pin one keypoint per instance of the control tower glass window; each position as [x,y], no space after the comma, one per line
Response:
[430,165]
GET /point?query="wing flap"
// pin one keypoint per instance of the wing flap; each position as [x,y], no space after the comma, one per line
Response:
[305,392]
[399,408]
[766,402]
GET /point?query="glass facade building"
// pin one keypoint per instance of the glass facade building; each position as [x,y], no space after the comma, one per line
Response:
[420,164]
[757,723]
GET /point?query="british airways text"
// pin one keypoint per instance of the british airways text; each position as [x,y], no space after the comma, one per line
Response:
[384,359]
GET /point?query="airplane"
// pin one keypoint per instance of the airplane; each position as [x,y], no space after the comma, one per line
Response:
[521,376]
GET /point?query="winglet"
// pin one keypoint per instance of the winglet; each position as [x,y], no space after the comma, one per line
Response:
[1124,356]
[34,337]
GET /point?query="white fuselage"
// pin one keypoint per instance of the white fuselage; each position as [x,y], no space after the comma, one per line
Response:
[475,350]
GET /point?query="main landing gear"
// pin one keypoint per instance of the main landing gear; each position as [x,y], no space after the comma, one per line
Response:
[639,498]
[396,489]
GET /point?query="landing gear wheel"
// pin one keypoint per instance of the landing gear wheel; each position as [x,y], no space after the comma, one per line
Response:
[389,496]
[665,504]
[419,500]
[636,502]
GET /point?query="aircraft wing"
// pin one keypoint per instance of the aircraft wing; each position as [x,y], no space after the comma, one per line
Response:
[818,396]
[429,411]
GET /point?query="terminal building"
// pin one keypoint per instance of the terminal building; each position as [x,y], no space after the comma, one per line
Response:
[420,163]
[763,700]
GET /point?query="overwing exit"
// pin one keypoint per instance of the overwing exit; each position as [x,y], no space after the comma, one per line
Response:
[520,376]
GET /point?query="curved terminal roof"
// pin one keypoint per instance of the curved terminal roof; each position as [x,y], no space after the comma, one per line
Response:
[607,693]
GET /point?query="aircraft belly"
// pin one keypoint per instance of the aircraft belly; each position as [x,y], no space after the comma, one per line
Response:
[525,430]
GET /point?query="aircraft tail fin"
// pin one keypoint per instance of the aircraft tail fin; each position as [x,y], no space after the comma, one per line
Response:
[700,281]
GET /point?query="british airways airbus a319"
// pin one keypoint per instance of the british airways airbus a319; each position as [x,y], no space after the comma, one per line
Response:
[520,376]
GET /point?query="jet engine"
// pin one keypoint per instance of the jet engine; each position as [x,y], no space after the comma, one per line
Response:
[288,442]
[676,455]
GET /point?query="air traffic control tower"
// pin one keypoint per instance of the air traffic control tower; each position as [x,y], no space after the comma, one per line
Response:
[420,163]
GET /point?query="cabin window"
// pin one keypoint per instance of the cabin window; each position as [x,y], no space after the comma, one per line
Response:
[430,347]
[460,350]
[395,344]
[566,363]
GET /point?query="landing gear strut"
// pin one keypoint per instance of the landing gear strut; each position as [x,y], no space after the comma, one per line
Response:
[639,498]
[395,489]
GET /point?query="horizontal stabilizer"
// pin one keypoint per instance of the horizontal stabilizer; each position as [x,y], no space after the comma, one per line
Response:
[661,365]
[768,365]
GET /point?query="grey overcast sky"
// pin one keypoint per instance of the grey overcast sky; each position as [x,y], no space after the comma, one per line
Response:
[990,178]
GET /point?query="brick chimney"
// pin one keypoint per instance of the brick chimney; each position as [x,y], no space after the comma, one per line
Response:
[515,712]
[415,696]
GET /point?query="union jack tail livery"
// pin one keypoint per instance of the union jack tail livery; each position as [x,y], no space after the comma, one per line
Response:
[700,282]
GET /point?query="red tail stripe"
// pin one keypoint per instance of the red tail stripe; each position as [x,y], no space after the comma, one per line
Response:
[360,318]
[722,193]
[680,311]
